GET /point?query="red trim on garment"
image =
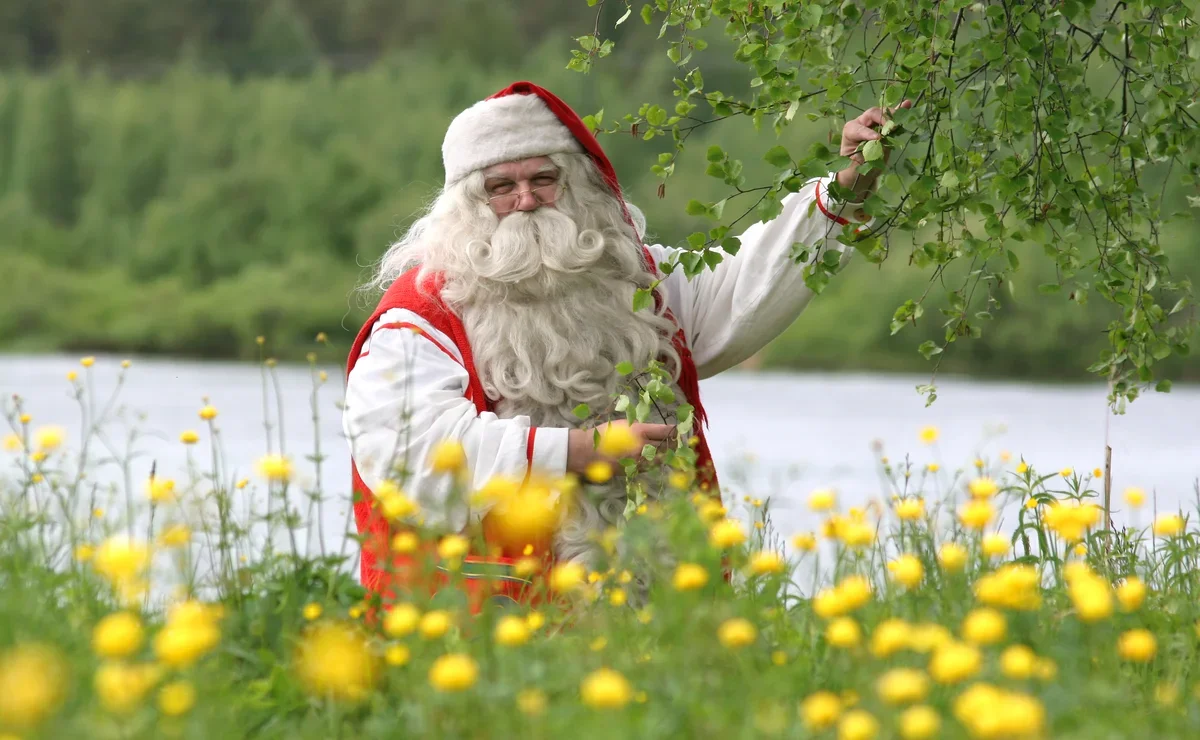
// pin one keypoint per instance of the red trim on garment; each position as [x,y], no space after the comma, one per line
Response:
[422,332]
[529,453]
[826,211]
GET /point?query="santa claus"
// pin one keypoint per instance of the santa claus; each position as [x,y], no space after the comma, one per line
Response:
[510,302]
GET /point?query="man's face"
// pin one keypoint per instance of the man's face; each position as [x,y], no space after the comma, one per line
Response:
[523,185]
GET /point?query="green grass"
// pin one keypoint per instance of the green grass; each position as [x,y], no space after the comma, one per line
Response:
[261,661]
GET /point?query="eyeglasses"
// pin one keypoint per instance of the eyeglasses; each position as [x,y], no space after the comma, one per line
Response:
[508,202]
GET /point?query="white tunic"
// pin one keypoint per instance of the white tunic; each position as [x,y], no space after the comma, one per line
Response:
[406,391]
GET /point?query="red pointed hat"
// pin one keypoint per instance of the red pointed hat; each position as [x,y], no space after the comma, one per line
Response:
[521,121]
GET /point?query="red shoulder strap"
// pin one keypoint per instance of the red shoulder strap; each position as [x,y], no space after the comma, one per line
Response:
[425,301]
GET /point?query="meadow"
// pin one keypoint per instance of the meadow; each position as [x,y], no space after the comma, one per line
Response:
[202,605]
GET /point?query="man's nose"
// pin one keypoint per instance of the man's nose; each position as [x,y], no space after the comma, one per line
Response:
[526,201]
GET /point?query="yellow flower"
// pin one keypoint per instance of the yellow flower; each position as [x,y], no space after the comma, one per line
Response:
[987,711]
[311,611]
[766,562]
[805,542]
[598,471]
[889,637]
[84,552]
[822,500]
[605,689]
[121,560]
[919,723]
[403,619]
[118,635]
[1168,525]
[598,644]
[12,443]
[1071,519]
[995,545]
[49,439]
[1137,645]
[405,542]
[617,440]
[928,636]
[911,509]
[929,434]
[933,467]
[689,577]
[191,632]
[1011,586]
[907,571]
[977,514]
[1005,455]
[779,657]
[452,547]
[176,535]
[335,660]
[567,577]
[1097,473]
[176,698]
[531,702]
[189,437]
[1135,497]
[1022,468]
[1031,503]
[434,624]
[1089,592]
[535,620]
[952,556]
[1131,593]
[33,681]
[160,490]
[1066,472]
[275,468]
[954,662]
[453,672]
[1018,662]
[736,633]
[679,480]
[727,533]
[448,456]
[903,686]
[843,632]
[208,413]
[397,655]
[511,631]
[857,724]
[617,597]
[820,710]
[982,488]
[984,626]
[122,687]
[87,361]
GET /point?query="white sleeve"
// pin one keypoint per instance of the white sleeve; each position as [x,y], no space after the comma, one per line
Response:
[406,394]
[733,310]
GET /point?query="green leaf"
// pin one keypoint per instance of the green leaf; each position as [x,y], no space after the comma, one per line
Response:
[715,153]
[582,411]
[621,20]
[929,348]
[696,208]
[625,368]
[872,150]
[647,14]
[778,156]
[642,298]
[1163,386]
[1012,260]
[950,180]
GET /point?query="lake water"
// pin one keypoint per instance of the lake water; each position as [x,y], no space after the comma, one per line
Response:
[777,435]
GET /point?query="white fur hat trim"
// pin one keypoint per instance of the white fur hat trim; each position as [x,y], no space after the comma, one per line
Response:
[503,129]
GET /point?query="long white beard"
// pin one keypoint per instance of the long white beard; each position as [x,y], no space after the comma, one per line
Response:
[548,315]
